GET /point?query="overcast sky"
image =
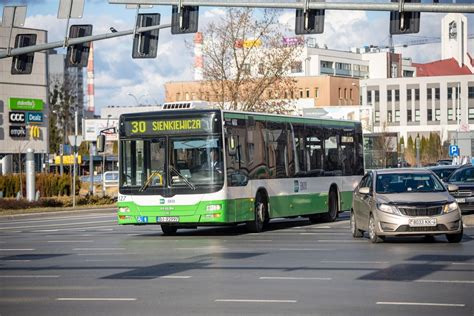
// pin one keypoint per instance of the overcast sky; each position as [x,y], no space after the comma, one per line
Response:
[117,74]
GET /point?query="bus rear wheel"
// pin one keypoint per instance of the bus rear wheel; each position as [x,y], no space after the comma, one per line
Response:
[260,208]
[169,230]
[333,208]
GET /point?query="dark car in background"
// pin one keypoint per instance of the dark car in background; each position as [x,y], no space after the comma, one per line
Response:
[463,178]
[443,171]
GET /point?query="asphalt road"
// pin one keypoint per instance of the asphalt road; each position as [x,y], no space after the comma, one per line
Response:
[85,264]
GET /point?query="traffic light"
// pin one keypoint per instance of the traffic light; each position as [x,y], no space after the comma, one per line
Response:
[78,54]
[184,21]
[100,143]
[145,44]
[404,22]
[309,22]
[23,64]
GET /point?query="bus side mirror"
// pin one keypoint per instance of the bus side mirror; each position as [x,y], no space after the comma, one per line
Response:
[101,143]
[232,150]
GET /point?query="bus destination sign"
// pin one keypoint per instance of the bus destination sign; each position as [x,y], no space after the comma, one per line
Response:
[168,126]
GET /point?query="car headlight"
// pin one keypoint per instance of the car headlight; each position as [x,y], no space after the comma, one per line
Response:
[451,207]
[388,209]
[123,210]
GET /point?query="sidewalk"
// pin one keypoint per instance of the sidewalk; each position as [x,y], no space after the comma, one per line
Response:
[57,210]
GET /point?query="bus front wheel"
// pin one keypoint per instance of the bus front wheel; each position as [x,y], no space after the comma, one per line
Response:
[169,230]
[256,225]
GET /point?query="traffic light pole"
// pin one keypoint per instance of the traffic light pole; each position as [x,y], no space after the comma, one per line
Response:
[78,40]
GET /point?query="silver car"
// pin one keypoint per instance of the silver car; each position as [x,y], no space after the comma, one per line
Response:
[397,202]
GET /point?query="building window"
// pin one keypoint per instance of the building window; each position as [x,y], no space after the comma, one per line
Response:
[397,95]
[450,93]
[450,115]
[389,116]
[437,93]
[429,94]
[397,115]
[377,96]
[417,94]
[470,92]
[246,69]
[307,93]
[301,93]
[187,96]
[345,94]
[340,93]
[389,95]
[409,116]
[261,69]
[409,95]
[326,64]
[369,96]
[377,116]
[296,67]
[178,96]
[350,94]
[437,115]
[471,113]
[316,92]
[430,115]
[417,115]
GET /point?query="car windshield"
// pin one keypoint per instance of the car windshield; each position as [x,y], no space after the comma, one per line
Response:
[443,173]
[407,183]
[462,175]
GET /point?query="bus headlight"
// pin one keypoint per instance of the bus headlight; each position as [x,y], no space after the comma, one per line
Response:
[451,207]
[213,207]
[123,210]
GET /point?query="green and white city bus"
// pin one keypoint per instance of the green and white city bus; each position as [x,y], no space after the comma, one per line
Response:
[189,165]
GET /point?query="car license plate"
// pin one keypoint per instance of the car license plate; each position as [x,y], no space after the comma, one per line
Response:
[461,200]
[422,222]
[167,219]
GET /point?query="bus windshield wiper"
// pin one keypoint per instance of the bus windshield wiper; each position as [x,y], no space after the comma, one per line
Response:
[173,169]
[149,179]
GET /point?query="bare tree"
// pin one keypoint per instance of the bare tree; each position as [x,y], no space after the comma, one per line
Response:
[246,62]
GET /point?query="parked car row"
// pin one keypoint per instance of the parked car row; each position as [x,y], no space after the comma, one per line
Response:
[400,202]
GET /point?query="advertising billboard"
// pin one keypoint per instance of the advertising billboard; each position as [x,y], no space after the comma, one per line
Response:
[93,127]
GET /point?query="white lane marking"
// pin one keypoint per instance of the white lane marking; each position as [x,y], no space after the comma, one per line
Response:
[49,219]
[324,233]
[92,249]
[29,276]
[175,277]
[67,224]
[45,231]
[294,278]
[463,263]
[106,254]
[204,248]
[445,281]
[341,241]
[255,301]
[96,299]
[15,260]
[420,304]
[69,241]
[362,262]
[304,249]
[19,249]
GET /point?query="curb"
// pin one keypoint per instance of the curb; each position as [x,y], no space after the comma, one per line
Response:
[67,211]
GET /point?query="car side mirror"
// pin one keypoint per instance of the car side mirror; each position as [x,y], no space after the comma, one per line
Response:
[364,190]
[452,188]
[445,179]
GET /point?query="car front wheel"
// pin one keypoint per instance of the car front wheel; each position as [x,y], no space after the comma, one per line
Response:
[374,238]
[356,232]
[455,238]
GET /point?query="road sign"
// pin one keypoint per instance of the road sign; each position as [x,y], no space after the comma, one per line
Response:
[453,151]
[75,140]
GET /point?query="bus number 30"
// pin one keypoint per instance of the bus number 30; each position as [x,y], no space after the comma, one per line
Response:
[138,127]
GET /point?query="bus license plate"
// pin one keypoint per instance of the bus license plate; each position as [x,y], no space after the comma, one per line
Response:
[167,219]
[422,222]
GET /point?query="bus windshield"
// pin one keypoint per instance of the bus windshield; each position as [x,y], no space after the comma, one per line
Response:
[183,163]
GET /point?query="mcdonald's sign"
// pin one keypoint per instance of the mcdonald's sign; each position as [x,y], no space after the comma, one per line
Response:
[35,132]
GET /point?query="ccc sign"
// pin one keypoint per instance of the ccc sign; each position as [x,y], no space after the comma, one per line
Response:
[17,117]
